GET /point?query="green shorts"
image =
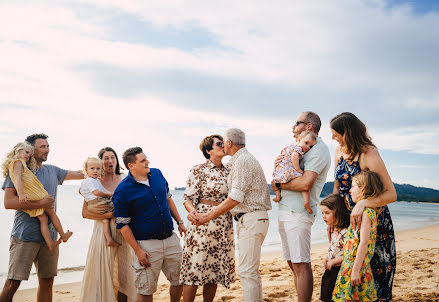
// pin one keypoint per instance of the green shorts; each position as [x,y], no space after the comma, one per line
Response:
[23,253]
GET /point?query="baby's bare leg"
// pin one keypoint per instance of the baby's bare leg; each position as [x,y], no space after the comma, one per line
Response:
[107,233]
[277,198]
[44,227]
[57,224]
[307,198]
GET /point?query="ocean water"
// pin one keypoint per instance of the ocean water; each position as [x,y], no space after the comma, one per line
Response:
[73,254]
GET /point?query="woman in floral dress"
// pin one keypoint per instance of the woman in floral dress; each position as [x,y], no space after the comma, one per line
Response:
[355,153]
[209,250]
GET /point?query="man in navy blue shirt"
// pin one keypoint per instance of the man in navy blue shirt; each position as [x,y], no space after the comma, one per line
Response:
[144,209]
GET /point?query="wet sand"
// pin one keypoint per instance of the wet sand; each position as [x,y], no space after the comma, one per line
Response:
[416,279]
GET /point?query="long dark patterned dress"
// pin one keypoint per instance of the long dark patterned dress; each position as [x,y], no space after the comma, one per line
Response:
[209,250]
[383,262]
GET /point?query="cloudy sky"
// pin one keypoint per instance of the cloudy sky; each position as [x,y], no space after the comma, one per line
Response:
[164,74]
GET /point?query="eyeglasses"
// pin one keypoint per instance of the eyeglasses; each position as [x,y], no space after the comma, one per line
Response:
[220,144]
[300,122]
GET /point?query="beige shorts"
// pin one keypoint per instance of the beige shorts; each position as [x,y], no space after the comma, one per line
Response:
[166,256]
[295,234]
[23,253]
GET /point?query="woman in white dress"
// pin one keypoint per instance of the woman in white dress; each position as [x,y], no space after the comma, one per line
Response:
[108,269]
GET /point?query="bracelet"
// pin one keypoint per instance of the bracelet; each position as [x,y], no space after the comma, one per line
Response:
[180,222]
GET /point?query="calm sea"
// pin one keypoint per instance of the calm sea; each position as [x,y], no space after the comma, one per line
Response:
[73,254]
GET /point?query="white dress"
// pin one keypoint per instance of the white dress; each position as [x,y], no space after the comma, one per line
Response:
[107,269]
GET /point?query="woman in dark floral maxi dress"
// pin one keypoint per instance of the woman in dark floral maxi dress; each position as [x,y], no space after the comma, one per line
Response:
[355,153]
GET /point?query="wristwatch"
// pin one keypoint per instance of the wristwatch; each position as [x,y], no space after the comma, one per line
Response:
[180,222]
[277,185]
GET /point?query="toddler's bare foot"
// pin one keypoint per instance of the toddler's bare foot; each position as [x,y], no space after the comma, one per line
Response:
[277,198]
[66,236]
[51,245]
[112,243]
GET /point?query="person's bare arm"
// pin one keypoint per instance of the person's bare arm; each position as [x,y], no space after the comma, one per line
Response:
[174,213]
[11,201]
[192,216]
[334,262]
[89,215]
[362,250]
[300,184]
[141,254]
[372,161]
[219,210]
[336,188]
[295,161]
[102,194]
[18,173]
[74,175]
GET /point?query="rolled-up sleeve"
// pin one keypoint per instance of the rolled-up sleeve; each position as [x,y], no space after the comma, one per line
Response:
[241,180]
[193,187]
[121,210]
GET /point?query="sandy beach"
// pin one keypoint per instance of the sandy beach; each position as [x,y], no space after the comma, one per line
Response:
[417,277]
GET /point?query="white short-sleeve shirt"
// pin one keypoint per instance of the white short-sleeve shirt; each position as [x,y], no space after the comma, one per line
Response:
[88,185]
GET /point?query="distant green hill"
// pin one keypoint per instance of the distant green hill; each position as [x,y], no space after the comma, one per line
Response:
[405,192]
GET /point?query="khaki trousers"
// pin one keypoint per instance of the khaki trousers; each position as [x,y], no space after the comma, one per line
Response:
[251,228]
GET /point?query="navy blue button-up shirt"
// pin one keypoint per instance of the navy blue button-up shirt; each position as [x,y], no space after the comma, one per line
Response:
[143,208]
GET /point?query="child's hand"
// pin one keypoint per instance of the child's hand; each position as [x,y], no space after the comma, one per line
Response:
[355,278]
[278,160]
[329,265]
[22,198]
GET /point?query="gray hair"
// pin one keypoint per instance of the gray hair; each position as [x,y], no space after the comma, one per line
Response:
[314,119]
[235,135]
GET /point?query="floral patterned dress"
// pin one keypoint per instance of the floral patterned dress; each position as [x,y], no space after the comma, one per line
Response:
[366,290]
[209,250]
[383,262]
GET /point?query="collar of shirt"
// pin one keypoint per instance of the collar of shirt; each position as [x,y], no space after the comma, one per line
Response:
[211,165]
[131,179]
[237,154]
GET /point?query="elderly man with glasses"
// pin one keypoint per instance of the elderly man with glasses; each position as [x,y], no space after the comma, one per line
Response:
[248,201]
[294,221]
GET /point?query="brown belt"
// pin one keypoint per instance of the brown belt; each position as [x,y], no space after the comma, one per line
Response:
[210,202]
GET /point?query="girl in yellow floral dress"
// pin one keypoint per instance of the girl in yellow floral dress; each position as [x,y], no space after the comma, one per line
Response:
[355,280]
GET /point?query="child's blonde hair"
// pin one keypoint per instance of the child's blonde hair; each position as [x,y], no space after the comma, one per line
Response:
[13,154]
[91,159]
[305,133]
[369,183]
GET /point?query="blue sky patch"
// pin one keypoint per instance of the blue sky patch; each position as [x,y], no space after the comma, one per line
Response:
[132,28]
[419,6]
